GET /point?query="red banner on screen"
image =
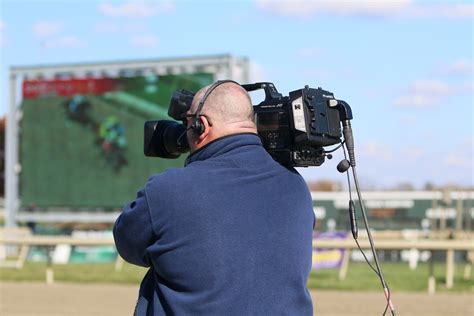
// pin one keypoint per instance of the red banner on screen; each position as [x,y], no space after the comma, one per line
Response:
[62,88]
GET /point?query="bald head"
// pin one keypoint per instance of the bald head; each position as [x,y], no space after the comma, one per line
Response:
[228,103]
[228,110]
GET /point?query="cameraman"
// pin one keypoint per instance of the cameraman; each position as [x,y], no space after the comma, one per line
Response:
[228,234]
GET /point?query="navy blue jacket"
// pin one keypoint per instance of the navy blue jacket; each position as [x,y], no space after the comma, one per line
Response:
[229,234]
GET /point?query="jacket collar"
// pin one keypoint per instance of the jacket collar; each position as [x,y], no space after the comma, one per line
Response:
[223,145]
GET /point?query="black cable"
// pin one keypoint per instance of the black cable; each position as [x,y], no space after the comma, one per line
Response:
[372,247]
[387,291]
[349,141]
[365,257]
[334,149]
[350,199]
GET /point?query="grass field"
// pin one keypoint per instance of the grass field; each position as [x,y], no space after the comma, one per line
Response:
[360,276]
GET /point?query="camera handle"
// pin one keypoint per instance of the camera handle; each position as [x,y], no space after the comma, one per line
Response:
[271,92]
[345,114]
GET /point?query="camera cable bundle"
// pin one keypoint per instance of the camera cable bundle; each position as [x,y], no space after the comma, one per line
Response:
[343,167]
[294,130]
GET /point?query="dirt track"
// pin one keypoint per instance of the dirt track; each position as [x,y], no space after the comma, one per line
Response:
[91,299]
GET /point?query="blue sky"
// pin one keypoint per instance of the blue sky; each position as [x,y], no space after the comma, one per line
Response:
[405,67]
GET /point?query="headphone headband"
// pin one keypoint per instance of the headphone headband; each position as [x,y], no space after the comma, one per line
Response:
[208,92]
[197,124]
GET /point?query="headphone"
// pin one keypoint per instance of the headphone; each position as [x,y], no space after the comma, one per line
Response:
[198,125]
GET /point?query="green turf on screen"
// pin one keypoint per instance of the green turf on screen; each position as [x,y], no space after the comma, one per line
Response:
[63,162]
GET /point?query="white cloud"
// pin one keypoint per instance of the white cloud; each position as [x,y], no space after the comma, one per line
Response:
[463,155]
[458,67]
[300,8]
[412,153]
[64,42]
[136,9]
[371,8]
[433,87]
[44,29]
[428,93]
[467,87]
[458,160]
[468,141]
[374,149]
[441,10]
[417,100]
[145,41]
[408,119]
[117,27]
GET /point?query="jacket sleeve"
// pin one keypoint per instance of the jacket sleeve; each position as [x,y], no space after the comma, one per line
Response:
[133,231]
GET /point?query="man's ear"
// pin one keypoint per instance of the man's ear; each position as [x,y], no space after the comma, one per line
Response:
[206,125]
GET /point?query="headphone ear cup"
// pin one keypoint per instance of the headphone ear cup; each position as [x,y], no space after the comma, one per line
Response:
[198,126]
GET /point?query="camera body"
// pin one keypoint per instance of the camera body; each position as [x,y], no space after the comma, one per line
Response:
[294,129]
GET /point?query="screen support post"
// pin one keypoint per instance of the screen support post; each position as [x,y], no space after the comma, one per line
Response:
[11,157]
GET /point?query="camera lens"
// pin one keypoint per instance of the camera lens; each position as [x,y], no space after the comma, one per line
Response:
[165,139]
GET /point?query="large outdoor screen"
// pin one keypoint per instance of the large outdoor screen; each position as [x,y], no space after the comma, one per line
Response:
[81,140]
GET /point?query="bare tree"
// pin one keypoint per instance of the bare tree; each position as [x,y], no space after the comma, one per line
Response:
[324,185]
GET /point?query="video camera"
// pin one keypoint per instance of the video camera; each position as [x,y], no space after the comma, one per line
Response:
[294,129]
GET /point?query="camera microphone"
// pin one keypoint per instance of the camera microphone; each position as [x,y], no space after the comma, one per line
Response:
[343,166]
